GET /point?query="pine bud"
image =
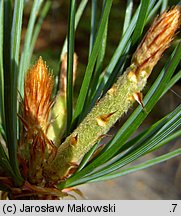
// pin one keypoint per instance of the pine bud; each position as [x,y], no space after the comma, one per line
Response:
[157,39]
[34,144]
[37,92]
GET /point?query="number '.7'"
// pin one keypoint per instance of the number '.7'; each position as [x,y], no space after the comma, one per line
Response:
[174,207]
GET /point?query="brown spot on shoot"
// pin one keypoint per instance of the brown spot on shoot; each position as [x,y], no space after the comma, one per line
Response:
[73,139]
[138,97]
[132,77]
[103,119]
[111,91]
